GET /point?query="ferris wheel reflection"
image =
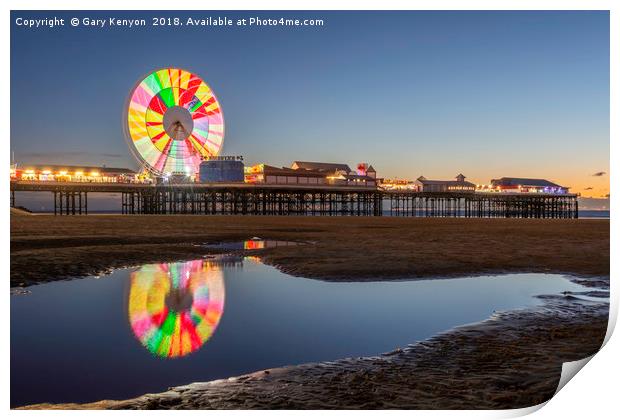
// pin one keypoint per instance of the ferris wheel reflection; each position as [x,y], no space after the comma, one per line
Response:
[174,308]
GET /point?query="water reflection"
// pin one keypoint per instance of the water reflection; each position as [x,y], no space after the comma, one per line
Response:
[250,244]
[254,244]
[174,308]
[262,244]
[272,319]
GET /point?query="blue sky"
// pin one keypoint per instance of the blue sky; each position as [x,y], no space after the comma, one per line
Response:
[488,94]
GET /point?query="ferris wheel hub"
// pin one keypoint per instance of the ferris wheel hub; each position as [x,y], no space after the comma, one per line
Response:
[178,123]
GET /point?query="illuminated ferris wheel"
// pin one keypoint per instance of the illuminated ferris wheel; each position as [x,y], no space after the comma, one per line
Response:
[173,121]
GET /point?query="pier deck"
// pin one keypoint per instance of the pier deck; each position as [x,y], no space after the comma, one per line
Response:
[327,200]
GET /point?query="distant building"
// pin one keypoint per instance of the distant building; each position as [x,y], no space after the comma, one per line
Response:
[527,185]
[457,185]
[69,173]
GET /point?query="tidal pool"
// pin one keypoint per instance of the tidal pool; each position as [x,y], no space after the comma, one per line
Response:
[147,328]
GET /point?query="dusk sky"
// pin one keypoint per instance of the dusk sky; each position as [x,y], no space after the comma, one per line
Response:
[488,94]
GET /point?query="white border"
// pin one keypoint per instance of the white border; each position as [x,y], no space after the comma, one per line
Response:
[592,394]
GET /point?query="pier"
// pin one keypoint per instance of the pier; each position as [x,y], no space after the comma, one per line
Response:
[484,205]
[302,200]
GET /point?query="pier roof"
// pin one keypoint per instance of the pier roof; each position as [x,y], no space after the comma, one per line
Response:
[534,182]
[423,180]
[274,170]
[321,166]
[73,168]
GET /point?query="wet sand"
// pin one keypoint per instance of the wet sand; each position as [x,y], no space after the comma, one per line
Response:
[45,248]
[509,361]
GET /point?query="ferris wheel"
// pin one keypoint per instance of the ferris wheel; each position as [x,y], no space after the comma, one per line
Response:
[173,121]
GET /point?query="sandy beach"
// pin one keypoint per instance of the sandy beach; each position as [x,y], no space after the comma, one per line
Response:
[511,360]
[45,248]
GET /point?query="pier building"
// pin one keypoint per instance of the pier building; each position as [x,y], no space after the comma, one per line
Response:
[526,185]
[312,173]
[458,185]
[221,169]
[267,174]
[397,184]
[69,173]
[352,180]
